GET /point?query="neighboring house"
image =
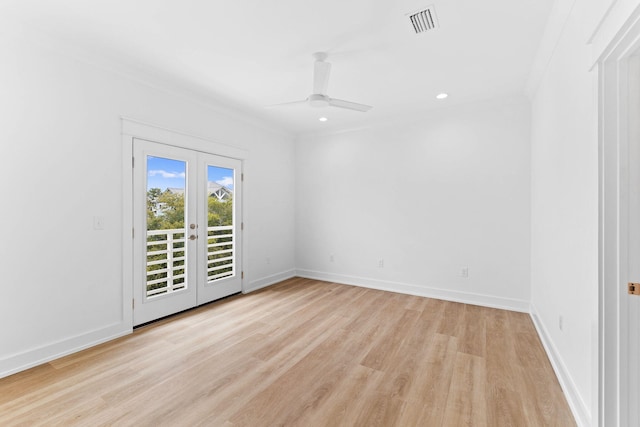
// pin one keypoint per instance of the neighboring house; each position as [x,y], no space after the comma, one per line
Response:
[220,192]
[214,189]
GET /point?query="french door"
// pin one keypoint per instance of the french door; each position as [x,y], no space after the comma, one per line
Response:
[187,246]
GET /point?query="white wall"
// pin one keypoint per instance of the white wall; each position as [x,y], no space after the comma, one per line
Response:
[61,151]
[429,196]
[564,250]
[459,187]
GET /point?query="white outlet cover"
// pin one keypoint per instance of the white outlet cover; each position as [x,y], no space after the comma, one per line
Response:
[98,223]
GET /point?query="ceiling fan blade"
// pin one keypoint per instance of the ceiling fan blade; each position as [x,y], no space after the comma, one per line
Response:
[288,104]
[349,105]
[321,72]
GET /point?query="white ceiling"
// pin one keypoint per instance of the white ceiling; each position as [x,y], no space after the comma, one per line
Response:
[249,54]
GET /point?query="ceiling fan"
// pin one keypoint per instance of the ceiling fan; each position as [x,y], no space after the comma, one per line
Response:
[319,97]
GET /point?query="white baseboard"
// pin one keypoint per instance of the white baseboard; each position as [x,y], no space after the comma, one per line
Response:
[423,291]
[263,282]
[46,353]
[580,410]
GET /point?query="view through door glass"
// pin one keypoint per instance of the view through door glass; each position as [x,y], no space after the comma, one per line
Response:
[166,226]
[220,230]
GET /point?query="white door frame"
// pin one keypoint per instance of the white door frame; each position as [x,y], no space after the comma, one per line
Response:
[613,357]
[132,128]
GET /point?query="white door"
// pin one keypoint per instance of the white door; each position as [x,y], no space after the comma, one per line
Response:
[219,243]
[186,234]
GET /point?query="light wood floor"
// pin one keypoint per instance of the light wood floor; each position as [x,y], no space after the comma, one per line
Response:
[303,353]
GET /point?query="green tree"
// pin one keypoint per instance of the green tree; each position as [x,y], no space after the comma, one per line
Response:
[165,210]
[220,212]
[152,206]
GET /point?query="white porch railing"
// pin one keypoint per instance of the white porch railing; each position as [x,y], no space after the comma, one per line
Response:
[166,256]
[220,252]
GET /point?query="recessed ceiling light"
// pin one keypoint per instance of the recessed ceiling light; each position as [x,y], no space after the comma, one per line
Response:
[442,95]
[323,119]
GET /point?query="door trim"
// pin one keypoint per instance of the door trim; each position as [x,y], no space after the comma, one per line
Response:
[613,360]
[131,129]
[155,133]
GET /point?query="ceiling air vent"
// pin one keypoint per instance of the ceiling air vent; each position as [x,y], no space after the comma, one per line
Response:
[424,20]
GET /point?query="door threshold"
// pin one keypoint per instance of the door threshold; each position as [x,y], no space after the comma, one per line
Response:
[165,318]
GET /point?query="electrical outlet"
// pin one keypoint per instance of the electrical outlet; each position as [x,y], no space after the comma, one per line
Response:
[464,272]
[560,322]
[268,260]
[331,259]
[98,223]
[381,263]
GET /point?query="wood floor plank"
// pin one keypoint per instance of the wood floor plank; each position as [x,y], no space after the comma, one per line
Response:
[380,411]
[350,400]
[417,304]
[301,385]
[451,319]
[429,391]
[303,353]
[466,402]
[472,339]
[505,408]
[401,375]
[377,302]
[383,354]
[500,351]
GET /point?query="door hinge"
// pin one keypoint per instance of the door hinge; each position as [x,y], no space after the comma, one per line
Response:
[242,177]
[133,304]
[242,226]
[133,233]
[133,162]
[242,275]
[633,288]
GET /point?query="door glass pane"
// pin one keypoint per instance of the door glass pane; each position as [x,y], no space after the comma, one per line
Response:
[220,231]
[166,254]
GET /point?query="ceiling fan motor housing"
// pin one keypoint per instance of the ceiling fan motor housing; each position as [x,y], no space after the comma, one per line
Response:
[318,100]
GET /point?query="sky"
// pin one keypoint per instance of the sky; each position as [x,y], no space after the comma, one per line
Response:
[163,173]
